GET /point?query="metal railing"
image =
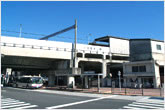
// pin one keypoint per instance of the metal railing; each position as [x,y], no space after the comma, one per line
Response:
[52,48]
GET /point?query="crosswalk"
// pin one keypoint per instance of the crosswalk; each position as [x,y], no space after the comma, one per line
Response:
[146,103]
[8,103]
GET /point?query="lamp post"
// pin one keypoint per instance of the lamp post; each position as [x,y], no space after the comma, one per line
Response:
[119,74]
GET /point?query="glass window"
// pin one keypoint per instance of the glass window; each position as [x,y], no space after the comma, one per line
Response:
[134,68]
[142,68]
[37,80]
[158,47]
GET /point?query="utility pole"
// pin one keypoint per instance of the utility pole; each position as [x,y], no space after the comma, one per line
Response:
[75,53]
[20,30]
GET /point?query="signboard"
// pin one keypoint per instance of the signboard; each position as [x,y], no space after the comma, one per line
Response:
[89,72]
[8,71]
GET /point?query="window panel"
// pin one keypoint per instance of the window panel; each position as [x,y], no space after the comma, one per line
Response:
[142,68]
[134,68]
[158,47]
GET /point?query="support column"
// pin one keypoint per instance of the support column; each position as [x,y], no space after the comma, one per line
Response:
[156,79]
[104,72]
[104,69]
[71,82]
[86,82]
[140,82]
[51,80]
[76,63]
[83,55]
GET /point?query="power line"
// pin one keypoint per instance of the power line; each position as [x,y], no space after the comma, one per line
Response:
[58,36]
[23,32]
[39,34]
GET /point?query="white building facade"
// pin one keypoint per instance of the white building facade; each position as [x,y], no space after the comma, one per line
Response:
[138,60]
[147,61]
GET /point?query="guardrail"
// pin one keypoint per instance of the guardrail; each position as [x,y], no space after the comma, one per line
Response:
[53,48]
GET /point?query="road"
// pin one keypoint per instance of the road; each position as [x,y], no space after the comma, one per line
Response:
[17,98]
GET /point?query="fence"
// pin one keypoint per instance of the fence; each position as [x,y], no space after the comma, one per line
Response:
[142,86]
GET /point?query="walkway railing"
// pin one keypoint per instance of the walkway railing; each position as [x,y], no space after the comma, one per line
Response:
[52,48]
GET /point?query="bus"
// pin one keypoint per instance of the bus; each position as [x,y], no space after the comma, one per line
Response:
[28,82]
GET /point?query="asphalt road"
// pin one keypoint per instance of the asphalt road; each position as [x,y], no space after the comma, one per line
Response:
[41,100]
[48,100]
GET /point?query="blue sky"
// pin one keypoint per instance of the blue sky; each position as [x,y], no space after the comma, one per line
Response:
[95,19]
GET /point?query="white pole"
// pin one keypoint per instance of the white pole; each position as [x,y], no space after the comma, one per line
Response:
[98,83]
[20,30]
[119,73]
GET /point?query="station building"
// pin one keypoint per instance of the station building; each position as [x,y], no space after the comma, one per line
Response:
[105,55]
[147,61]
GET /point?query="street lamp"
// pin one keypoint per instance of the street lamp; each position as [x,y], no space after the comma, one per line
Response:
[119,74]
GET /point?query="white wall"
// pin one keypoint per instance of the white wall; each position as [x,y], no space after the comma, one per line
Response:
[37,43]
[154,48]
[119,46]
[149,68]
[93,49]
[158,54]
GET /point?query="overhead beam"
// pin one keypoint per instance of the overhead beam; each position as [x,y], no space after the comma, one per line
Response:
[59,32]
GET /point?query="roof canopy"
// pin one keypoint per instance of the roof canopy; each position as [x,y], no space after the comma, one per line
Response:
[106,38]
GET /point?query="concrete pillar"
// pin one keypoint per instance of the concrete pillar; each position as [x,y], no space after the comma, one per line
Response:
[76,63]
[156,79]
[71,82]
[83,55]
[51,80]
[104,69]
[140,82]
[86,82]
[104,72]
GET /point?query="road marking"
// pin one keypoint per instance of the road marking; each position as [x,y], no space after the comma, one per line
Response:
[3,102]
[11,103]
[154,101]
[142,106]
[15,105]
[8,99]
[75,103]
[26,107]
[144,103]
[8,103]
[132,107]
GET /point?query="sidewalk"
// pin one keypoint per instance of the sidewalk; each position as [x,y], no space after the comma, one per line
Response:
[105,90]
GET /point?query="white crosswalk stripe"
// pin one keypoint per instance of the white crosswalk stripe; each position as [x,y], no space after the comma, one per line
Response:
[8,103]
[146,103]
